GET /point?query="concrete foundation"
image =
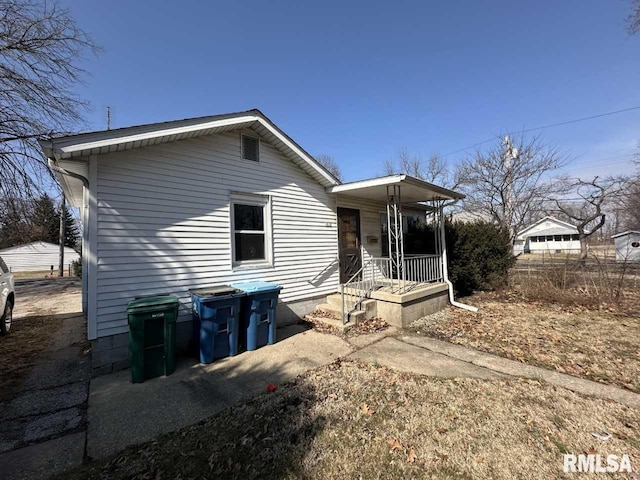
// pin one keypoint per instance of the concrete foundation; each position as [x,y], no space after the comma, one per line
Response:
[111,354]
[401,310]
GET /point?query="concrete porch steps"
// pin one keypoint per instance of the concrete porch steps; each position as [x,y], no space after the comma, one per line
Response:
[330,321]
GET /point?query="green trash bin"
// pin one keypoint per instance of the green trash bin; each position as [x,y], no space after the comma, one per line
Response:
[152,336]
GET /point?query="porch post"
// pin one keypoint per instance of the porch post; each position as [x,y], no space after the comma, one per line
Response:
[443,245]
[395,233]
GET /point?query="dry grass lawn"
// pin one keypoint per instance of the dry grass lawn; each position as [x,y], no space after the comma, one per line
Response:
[350,420]
[598,344]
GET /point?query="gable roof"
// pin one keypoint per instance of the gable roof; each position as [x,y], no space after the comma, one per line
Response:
[628,232]
[119,139]
[552,219]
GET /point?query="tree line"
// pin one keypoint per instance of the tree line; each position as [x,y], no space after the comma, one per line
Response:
[37,219]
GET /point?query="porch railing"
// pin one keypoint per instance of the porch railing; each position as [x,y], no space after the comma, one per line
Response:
[379,273]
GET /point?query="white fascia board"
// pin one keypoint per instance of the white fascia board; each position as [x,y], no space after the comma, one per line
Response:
[296,150]
[628,232]
[374,182]
[156,133]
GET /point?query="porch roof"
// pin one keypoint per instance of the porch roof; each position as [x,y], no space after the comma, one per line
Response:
[412,191]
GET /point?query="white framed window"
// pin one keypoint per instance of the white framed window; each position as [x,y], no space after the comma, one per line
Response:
[249,148]
[251,244]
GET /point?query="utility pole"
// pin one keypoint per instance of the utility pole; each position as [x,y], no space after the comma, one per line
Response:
[61,237]
[510,154]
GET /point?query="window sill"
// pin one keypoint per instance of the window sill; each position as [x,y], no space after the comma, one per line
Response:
[242,267]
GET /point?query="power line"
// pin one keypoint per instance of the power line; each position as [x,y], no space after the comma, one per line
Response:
[559,124]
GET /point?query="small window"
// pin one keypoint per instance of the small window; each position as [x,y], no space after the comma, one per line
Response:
[250,230]
[575,237]
[566,238]
[250,148]
[557,238]
[534,239]
[549,238]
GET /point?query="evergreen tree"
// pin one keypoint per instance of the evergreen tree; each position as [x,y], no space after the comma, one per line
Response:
[44,220]
[71,230]
[13,227]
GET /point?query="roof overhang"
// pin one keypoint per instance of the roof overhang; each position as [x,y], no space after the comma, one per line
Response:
[628,232]
[80,147]
[413,190]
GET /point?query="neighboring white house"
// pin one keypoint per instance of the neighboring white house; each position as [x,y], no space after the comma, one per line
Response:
[627,246]
[547,235]
[200,202]
[35,256]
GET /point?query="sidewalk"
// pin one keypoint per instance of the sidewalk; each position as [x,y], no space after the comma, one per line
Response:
[428,356]
[122,413]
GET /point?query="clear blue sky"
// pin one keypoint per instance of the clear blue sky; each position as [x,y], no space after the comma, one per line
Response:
[358,80]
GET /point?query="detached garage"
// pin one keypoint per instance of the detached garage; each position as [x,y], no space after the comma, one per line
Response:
[36,256]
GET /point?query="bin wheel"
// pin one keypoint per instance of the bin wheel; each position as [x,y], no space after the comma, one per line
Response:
[5,324]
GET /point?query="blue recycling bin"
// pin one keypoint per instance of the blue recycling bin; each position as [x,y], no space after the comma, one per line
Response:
[216,321]
[258,313]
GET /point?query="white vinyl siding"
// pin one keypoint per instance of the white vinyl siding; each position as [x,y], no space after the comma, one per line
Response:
[164,223]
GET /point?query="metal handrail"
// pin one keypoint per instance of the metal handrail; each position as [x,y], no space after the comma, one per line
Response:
[359,287]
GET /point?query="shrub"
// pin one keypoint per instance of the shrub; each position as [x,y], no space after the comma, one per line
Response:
[480,256]
[76,268]
[479,253]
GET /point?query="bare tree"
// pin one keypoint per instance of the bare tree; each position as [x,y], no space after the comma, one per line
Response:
[588,212]
[434,170]
[510,181]
[330,164]
[633,21]
[40,47]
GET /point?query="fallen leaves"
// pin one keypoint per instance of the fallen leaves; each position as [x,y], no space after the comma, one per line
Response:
[396,445]
[367,410]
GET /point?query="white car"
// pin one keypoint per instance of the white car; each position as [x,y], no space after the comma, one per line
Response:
[7,298]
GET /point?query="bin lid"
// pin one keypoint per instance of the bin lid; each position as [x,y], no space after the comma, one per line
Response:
[152,301]
[255,286]
[221,291]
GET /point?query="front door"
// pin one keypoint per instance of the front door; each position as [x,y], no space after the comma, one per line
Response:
[349,243]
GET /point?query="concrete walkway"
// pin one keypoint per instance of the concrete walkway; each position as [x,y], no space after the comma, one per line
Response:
[428,356]
[122,413]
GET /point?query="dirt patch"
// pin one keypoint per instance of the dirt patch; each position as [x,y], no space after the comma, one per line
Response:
[350,420]
[601,345]
[36,318]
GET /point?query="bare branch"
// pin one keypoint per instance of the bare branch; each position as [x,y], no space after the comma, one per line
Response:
[330,164]
[40,47]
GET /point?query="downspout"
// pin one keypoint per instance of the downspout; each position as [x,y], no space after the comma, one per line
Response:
[56,168]
[445,271]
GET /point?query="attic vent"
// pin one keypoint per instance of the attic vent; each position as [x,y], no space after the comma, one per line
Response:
[250,148]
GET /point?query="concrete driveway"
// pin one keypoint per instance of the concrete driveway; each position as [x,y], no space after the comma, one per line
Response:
[43,419]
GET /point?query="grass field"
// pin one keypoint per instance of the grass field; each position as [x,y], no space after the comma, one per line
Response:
[351,420]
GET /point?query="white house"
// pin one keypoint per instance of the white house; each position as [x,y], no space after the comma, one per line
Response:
[37,256]
[627,246]
[173,206]
[548,235]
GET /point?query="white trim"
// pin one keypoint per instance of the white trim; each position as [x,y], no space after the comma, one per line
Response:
[156,133]
[92,251]
[548,217]
[79,147]
[263,201]
[374,182]
[628,232]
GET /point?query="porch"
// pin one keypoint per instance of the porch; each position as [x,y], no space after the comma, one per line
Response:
[392,278]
